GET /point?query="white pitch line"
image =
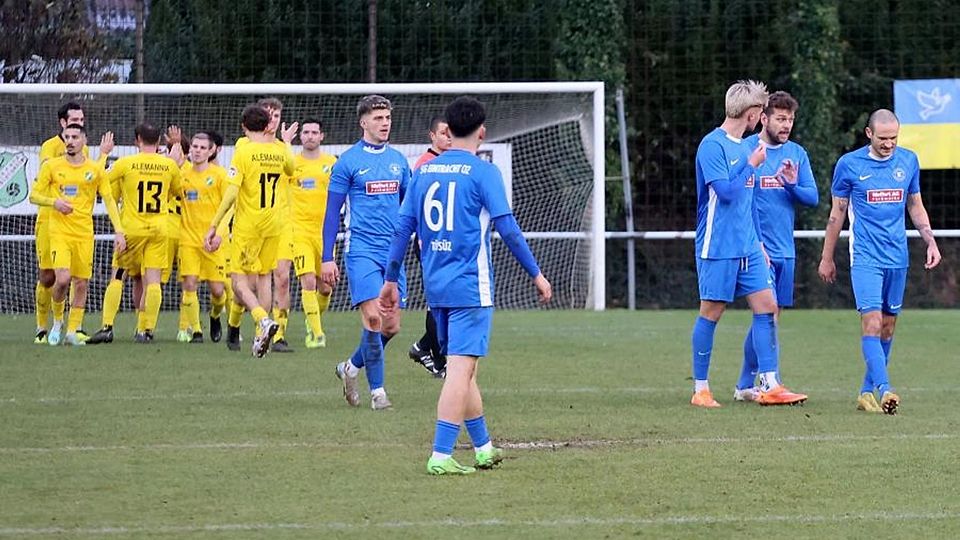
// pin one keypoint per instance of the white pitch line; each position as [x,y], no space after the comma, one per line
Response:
[573,521]
[336,392]
[572,444]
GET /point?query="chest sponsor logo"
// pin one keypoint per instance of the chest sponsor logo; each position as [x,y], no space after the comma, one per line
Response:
[71,190]
[383,187]
[883,196]
[308,183]
[770,182]
[192,195]
[750,182]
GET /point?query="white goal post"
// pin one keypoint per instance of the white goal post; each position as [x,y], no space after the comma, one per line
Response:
[549,136]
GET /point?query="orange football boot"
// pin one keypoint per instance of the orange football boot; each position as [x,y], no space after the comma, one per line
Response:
[780,396]
[704,398]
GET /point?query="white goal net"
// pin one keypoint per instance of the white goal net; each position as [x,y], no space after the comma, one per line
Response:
[547,139]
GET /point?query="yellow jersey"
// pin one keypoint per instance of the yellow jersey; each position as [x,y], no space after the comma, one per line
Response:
[78,185]
[283,185]
[308,193]
[54,147]
[202,193]
[257,169]
[146,183]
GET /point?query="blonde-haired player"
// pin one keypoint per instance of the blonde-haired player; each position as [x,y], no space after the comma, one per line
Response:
[69,184]
[203,187]
[308,202]
[146,182]
[70,113]
[255,171]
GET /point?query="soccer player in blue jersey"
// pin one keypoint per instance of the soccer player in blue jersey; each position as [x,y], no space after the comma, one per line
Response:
[372,178]
[730,259]
[453,201]
[785,180]
[875,184]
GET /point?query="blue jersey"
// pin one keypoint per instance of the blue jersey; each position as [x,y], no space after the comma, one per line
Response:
[724,230]
[776,202]
[453,199]
[878,191]
[374,179]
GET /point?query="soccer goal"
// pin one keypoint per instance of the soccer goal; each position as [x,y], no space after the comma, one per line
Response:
[547,139]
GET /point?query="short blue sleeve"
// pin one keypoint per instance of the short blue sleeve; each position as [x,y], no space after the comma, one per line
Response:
[841,186]
[341,177]
[712,162]
[914,186]
[492,192]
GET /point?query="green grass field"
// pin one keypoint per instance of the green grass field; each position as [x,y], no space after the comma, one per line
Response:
[171,440]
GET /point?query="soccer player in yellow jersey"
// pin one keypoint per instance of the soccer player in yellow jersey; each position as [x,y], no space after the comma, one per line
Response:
[146,182]
[69,184]
[70,113]
[203,187]
[308,204]
[255,171]
[281,274]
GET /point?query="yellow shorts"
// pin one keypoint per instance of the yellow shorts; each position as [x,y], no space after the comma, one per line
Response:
[74,254]
[196,261]
[285,247]
[307,255]
[142,252]
[42,232]
[254,255]
[173,243]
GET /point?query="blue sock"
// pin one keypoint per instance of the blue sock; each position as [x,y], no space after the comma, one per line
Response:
[372,349]
[477,428]
[702,340]
[876,363]
[886,345]
[445,437]
[357,358]
[748,372]
[765,342]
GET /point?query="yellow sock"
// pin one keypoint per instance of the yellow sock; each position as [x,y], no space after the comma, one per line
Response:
[236,315]
[282,315]
[58,308]
[192,305]
[311,310]
[42,296]
[259,314]
[217,303]
[141,321]
[154,297]
[111,301]
[75,319]
[323,301]
[183,319]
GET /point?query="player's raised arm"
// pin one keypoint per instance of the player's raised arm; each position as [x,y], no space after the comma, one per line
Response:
[797,179]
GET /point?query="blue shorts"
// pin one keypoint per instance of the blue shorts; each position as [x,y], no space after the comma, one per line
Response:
[878,289]
[782,272]
[365,277]
[723,280]
[463,331]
